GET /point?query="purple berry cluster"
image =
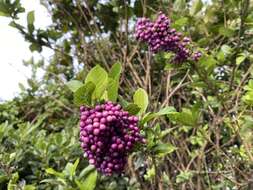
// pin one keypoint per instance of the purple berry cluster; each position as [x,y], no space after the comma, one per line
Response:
[107,135]
[161,37]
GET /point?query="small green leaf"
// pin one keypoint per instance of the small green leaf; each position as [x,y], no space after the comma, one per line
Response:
[150,174]
[162,150]
[30,21]
[228,32]
[83,95]
[55,173]
[163,111]
[132,109]
[227,50]
[74,85]
[196,7]
[29,187]
[184,176]
[90,181]
[73,168]
[141,99]
[30,17]
[35,47]
[99,77]
[240,58]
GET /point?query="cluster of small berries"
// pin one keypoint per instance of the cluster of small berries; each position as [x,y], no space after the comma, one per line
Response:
[107,135]
[161,37]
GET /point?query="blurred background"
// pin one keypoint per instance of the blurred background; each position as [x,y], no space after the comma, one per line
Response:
[206,144]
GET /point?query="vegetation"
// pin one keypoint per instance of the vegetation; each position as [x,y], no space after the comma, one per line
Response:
[196,116]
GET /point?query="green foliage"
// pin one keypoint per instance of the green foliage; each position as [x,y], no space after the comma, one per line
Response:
[140,98]
[10,8]
[196,117]
[99,77]
[83,95]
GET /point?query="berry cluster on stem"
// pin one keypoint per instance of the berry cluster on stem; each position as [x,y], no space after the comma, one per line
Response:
[107,135]
[161,37]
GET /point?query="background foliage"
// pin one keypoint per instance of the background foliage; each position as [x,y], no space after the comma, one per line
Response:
[199,120]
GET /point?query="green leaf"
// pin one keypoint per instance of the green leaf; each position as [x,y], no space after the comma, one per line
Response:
[74,85]
[35,47]
[133,109]
[112,90]
[86,171]
[208,62]
[90,181]
[240,58]
[99,77]
[188,117]
[227,50]
[83,95]
[162,150]
[228,32]
[73,168]
[115,71]
[16,25]
[30,17]
[141,99]
[30,21]
[150,173]
[55,173]
[163,111]
[184,176]
[113,83]
[29,187]
[196,7]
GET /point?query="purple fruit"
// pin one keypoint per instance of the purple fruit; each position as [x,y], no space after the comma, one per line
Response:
[107,135]
[161,37]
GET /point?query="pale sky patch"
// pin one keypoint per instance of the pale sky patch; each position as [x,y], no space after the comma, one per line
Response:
[13,50]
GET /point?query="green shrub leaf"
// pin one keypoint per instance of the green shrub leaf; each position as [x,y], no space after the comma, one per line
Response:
[99,77]
[83,96]
[74,85]
[141,99]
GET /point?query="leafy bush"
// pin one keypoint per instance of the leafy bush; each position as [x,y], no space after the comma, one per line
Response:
[196,115]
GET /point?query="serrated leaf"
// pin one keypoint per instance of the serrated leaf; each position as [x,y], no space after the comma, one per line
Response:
[83,96]
[74,85]
[99,77]
[141,99]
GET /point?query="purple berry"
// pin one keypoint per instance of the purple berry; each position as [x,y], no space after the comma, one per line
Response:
[107,135]
[161,37]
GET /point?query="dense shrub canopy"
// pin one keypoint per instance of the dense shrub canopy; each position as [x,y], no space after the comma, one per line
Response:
[196,115]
